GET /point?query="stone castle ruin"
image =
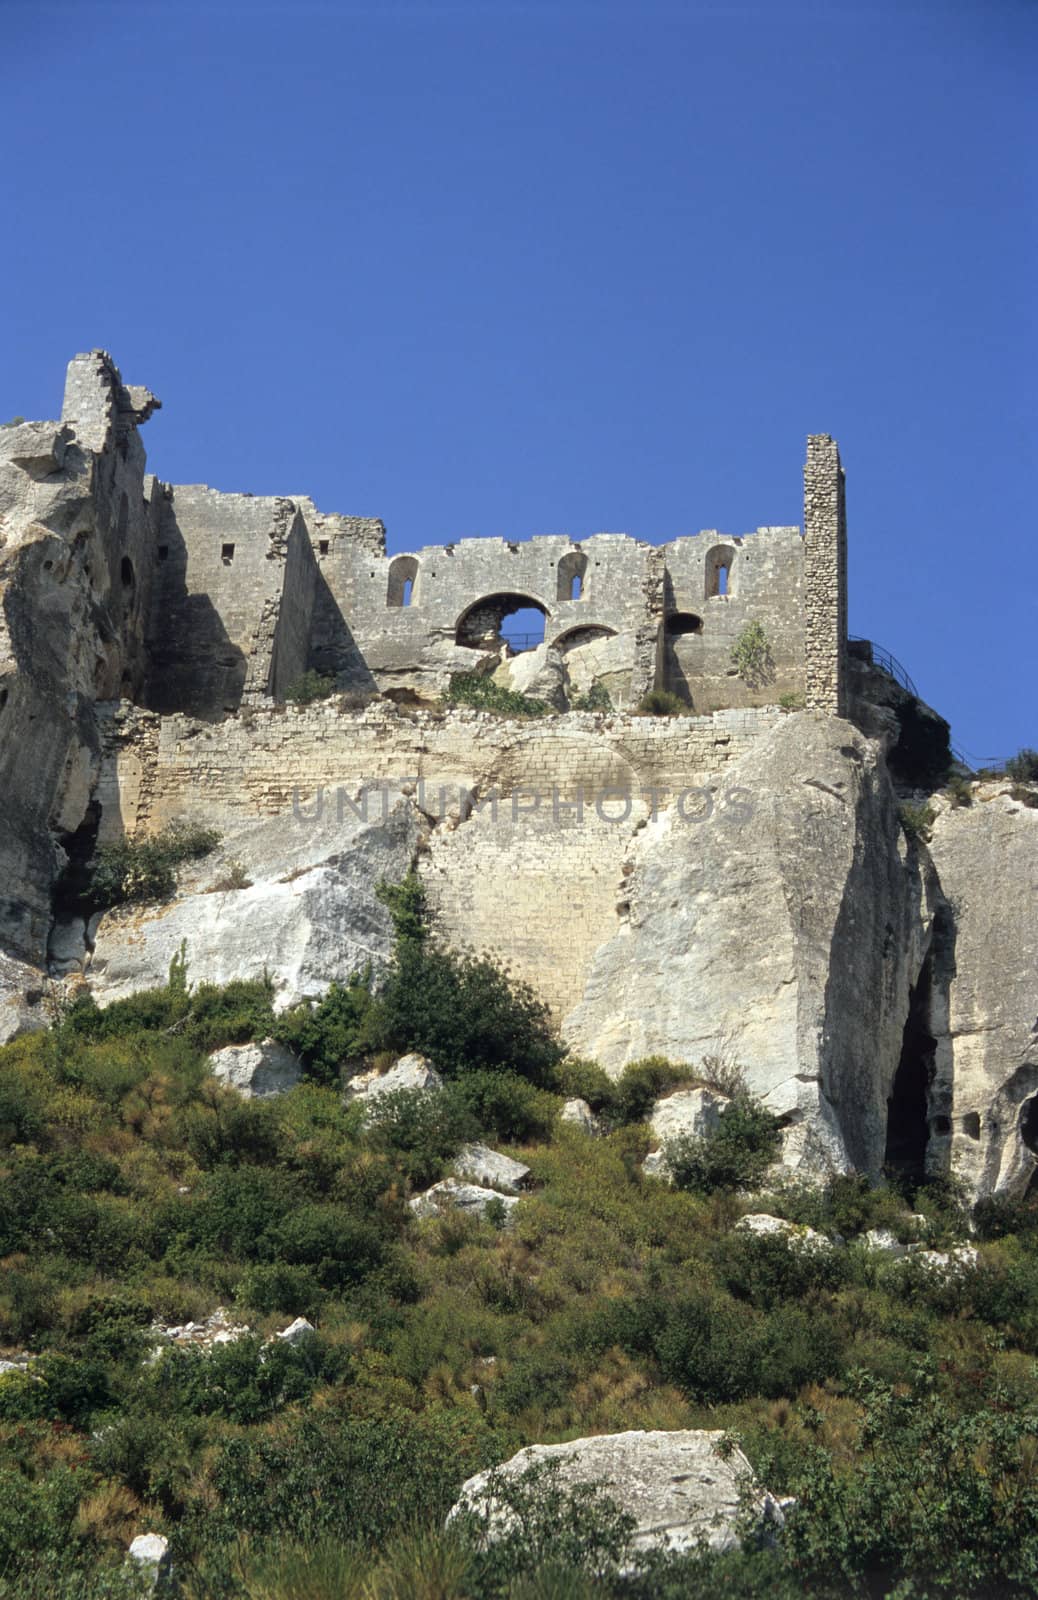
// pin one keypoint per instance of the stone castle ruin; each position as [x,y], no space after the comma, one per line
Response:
[735,874]
[225,600]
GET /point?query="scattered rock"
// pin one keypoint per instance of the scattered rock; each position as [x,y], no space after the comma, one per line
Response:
[681,1487]
[580,1115]
[256,1071]
[216,1329]
[765,1226]
[150,1552]
[882,1241]
[489,1169]
[409,1072]
[451,1193]
[945,1263]
[296,1331]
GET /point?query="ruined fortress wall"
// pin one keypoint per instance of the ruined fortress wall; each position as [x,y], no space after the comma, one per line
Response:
[254,764]
[764,583]
[534,874]
[219,573]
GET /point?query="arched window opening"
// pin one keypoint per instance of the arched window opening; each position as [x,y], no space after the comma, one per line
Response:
[719,571]
[403,582]
[680,622]
[126,573]
[571,571]
[575,637]
[517,620]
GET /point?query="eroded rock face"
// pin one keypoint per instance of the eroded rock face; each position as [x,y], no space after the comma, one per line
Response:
[256,1071]
[680,1487]
[784,928]
[986,1035]
[539,673]
[304,927]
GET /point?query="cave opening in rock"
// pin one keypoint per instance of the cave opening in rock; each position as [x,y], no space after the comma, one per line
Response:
[908,1108]
[71,895]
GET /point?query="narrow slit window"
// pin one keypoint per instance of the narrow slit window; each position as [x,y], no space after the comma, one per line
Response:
[227,554]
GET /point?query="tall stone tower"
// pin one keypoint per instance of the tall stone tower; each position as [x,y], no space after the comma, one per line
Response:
[825,575]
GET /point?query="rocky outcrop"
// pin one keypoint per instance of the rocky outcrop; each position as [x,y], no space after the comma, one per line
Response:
[77,521]
[681,1488]
[256,1071]
[985,1026]
[782,921]
[305,925]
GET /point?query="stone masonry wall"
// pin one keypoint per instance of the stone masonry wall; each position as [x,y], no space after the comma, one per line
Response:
[534,876]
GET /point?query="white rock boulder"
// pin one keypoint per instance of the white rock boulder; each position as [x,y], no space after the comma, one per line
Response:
[681,1487]
[256,1071]
[149,1552]
[409,1073]
[450,1194]
[489,1169]
[296,1331]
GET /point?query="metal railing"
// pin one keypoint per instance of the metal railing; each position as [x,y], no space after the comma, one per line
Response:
[887,663]
[892,667]
[523,641]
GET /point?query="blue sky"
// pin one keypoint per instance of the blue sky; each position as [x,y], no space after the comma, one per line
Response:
[527,268]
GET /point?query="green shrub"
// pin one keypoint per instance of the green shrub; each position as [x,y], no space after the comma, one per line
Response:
[332,1033]
[576,1079]
[917,820]
[735,1155]
[662,703]
[310,687]
[791,702]
[596,699]
[146,869]
[503,1105]
[480,690]
[466,1015]
[959,789]
[751,655]
[1023,767]
[643,1082]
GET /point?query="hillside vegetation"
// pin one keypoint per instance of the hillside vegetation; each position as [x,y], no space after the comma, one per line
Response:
[900,1406]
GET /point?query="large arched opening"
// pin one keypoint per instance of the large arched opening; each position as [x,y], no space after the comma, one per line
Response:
[517,620]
